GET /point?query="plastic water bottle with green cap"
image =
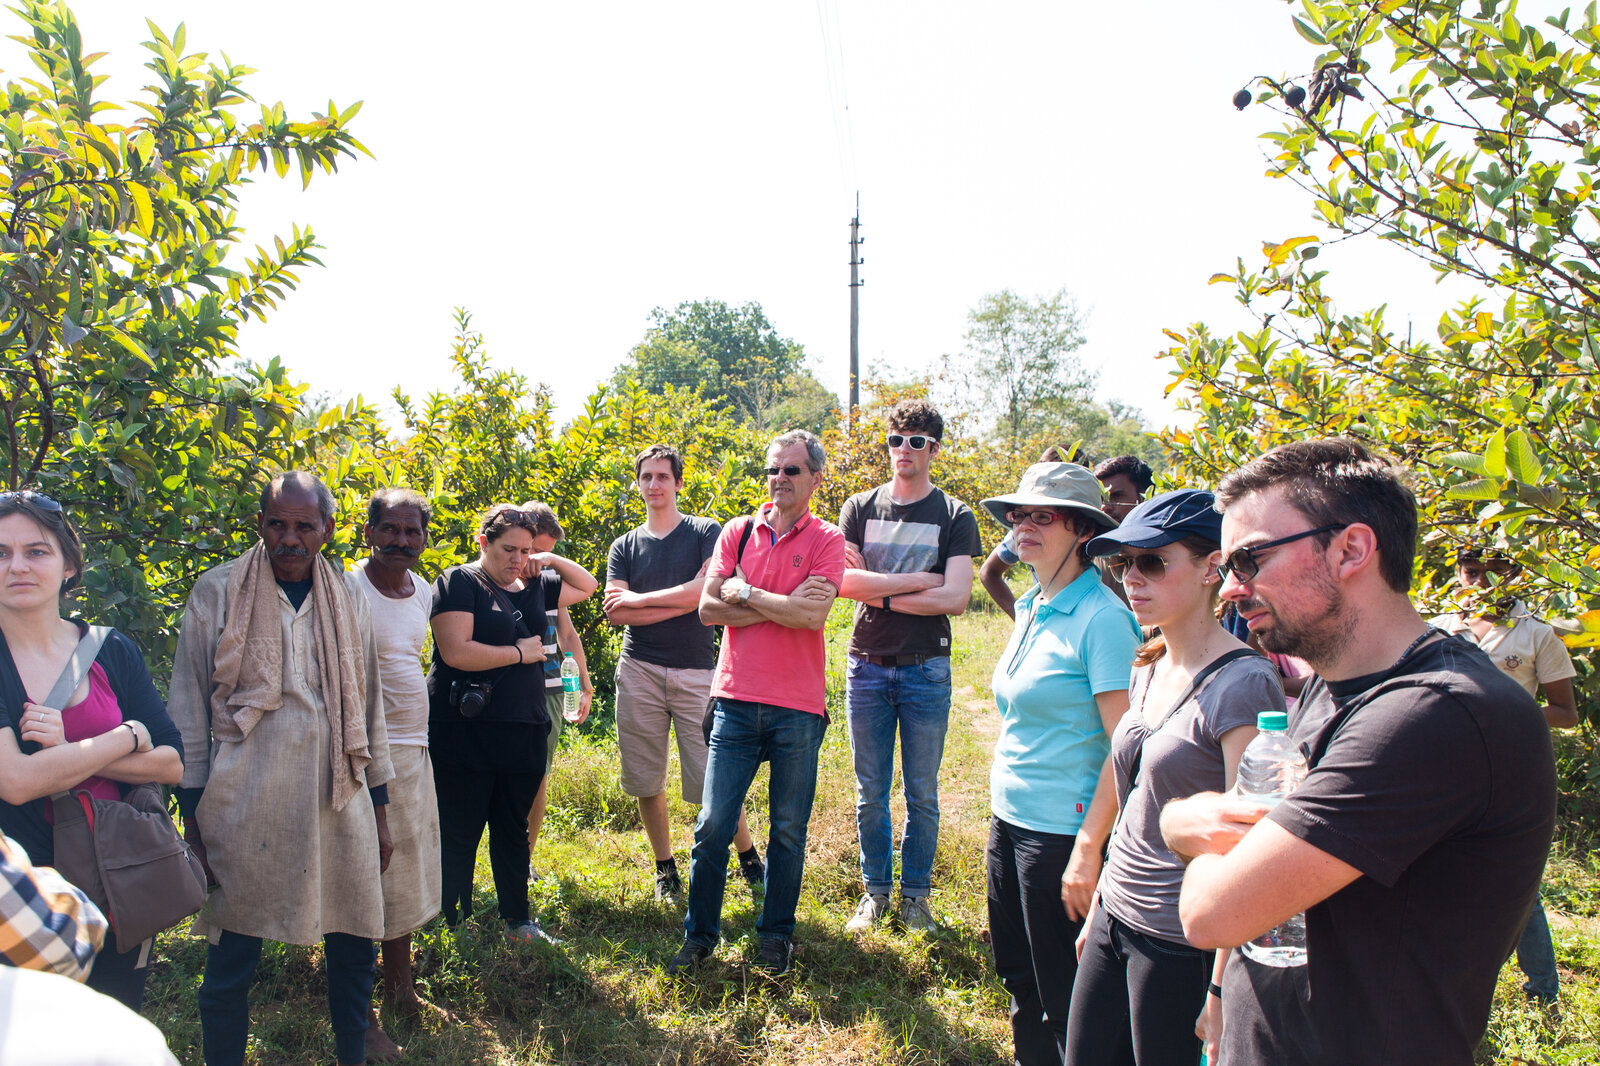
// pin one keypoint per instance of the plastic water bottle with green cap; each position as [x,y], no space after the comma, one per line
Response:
[1271,768]
[569,687]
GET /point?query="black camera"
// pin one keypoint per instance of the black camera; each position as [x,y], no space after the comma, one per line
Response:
[470,697]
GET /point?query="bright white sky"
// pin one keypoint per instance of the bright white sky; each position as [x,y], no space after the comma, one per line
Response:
[560,170]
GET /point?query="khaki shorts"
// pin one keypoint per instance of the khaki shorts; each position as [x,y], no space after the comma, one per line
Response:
[553,705]
[650,700]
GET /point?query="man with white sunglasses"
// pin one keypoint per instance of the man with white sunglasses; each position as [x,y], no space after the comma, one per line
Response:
[909,550]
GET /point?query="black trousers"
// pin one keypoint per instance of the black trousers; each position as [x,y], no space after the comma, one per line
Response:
[495,790]
[119,975]
[1032,937]
[1136,998]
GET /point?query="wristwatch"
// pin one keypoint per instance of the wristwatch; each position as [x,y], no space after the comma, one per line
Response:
[744,594]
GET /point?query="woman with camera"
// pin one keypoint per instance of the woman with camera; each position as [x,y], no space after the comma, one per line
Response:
[112,730]
[487,722]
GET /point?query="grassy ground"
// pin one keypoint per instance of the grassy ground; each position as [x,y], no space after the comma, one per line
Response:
[600,997]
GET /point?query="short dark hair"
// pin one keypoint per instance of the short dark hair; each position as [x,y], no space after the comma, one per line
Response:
[1336,481]
[1137,470]
[916,416]
[1051,454]
[307,483]
[34,504]
[545,522]
[385,499]
[660,451]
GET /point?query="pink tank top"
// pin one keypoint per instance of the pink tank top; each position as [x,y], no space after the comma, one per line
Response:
[97,713]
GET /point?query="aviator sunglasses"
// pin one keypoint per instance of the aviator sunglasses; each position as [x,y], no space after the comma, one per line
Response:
[1152,566]
[28,496]
[792,470]
[1243,563]
[917,441]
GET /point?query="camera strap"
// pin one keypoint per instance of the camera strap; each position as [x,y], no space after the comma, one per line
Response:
[501,598]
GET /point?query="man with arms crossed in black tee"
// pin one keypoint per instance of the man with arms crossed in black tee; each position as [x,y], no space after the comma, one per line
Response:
[1416,842]
[653,578]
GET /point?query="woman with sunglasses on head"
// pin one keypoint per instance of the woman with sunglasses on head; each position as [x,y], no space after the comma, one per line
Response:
[112,731]
[487,723]
[1195,694]
[1061,686]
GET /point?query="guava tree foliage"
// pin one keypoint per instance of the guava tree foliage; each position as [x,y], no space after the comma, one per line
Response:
[493,439]
[1457,133]
[119,305]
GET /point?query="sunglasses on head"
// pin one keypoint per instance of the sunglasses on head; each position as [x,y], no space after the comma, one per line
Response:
[1038,518]
[917,441]
[1152,566]
[509,516]
[28,496]
[1243,564]
[787,471]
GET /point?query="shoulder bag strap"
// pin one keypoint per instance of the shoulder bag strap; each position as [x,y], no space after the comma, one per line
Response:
[77,667]
[744,538]
[500,596]
[1194,686]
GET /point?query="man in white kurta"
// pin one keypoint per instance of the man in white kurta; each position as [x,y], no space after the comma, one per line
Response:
[291,836]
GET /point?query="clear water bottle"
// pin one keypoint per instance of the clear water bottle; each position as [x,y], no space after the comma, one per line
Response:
[1271,768]
[569,687]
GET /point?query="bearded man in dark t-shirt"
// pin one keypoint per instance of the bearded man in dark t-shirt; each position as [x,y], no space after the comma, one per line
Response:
[909,551]
[1416,842]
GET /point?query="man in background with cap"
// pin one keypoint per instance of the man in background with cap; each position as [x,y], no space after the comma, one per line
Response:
[908,551]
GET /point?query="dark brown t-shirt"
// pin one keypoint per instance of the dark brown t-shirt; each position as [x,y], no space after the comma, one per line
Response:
[1436,780]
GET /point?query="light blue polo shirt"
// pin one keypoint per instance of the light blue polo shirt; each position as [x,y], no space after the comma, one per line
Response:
[1052,745]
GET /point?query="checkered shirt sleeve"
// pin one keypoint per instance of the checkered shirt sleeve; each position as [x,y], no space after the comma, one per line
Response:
[45,922]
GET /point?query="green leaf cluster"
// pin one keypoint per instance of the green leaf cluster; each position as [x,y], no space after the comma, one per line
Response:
[1460,134]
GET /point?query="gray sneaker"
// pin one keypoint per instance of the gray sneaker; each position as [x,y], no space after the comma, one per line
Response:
[669,886]
[869,912]
[529,930]
[915,917]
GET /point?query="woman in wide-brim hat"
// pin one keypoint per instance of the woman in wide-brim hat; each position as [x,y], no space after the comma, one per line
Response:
[1195,693]
[1061,686]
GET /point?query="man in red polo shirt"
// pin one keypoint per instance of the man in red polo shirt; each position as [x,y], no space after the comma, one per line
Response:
[771,581]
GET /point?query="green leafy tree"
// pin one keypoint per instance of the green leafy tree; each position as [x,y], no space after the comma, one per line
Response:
[119,306]
[1019,363]
[1457,133]
[736,357]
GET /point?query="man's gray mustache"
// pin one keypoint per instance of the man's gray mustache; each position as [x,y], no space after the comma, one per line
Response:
[289,552]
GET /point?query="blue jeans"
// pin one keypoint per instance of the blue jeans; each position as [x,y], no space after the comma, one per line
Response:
[743,735]
[916,700]
[1536,956]
[225,995]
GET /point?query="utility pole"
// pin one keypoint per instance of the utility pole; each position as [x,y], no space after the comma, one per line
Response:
[856,241]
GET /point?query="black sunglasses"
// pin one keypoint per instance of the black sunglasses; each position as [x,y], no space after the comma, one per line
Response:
[787,471]
[28,496]
[1038,518]
[1243,564]
[1150,565]
[916,440]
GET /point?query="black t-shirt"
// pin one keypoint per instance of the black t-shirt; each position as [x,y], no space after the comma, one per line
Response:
[518,690]
[1436,780]
[138,700]
[905,539]
[650,564]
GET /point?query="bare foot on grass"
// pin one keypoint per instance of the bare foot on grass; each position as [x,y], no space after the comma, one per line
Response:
[379,1047]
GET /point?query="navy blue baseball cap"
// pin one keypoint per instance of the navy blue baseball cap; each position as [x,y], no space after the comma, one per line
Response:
[1164,519]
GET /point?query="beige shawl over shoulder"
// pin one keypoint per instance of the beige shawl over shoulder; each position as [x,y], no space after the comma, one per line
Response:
[247,682]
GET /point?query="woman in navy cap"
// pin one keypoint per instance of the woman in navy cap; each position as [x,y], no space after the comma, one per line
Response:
[1194,696]
[1061,685]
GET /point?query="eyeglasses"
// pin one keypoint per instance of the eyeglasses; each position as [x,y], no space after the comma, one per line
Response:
[916,440]
[1243,564]
[787,471]
[1153,567]
[1038,518]
[28,496]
